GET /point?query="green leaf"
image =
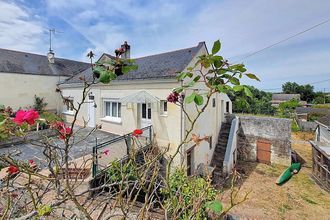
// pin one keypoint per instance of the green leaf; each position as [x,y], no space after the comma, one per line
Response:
[217,57]
[199,99]
[216,47]
[105,77]
[238,88]
[178,90]
[234,81]
[248,92]
[215,206]
[196,78]
[190,98]
[217,63]
[252,76]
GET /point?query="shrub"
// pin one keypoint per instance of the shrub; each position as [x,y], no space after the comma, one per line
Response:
[39,103]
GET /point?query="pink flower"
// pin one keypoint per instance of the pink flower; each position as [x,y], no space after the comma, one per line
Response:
[29,116]
[106,152]
[62,129]
[137,132]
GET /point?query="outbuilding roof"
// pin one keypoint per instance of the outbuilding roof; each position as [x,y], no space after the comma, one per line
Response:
[28,63]
[285,97]
[163,65]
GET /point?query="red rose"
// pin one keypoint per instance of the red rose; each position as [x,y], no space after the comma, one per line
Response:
[12,170]
[173,97]
[31,162]
[137,132]
[29,116]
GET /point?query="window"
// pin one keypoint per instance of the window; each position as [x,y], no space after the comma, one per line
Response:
[227,107]
[163,107]
[213,102]
[146,111]
[112,111]
[68,103]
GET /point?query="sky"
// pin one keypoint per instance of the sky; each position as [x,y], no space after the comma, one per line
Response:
[157,26]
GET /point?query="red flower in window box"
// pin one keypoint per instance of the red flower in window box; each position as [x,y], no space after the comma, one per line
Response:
[173,97]
[12,170]
[137,132]
[29,117]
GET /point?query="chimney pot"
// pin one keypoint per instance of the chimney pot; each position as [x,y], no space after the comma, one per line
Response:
[127,49]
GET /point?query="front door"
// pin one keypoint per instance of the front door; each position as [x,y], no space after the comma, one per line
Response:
[145,115]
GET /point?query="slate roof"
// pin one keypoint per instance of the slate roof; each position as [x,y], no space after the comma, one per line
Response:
[308,110]
[285,97]
[325,120]
[28,63]
[164,65]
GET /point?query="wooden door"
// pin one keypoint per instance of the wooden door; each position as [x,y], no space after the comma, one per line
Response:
[263,151]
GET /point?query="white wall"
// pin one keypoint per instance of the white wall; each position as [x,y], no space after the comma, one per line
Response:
[166,128]
[208,124]
[18,90]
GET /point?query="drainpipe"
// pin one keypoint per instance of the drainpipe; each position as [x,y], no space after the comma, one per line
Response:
[181,131]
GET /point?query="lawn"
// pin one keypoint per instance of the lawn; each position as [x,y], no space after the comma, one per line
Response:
[300,198]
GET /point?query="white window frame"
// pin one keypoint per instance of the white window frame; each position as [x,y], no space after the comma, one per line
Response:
[67,109]
[162,108]
[111,118]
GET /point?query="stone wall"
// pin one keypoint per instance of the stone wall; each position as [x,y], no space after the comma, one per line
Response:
[275,130]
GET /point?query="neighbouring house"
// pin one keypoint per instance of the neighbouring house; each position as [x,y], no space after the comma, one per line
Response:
[278,98]
[306,117]
[24,75]
[139,99]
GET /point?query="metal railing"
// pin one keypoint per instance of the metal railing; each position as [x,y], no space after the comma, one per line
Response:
[119,148]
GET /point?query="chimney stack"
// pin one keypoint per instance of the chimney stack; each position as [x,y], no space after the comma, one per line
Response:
[51,57]
[127,51]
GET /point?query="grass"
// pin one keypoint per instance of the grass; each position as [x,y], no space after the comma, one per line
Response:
[299,198]
[322,106]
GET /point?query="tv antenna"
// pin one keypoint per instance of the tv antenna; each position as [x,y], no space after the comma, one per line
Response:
[52,31]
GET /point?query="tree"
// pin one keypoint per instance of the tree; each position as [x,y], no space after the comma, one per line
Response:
[306,91]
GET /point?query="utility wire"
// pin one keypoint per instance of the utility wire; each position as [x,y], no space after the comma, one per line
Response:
[312,83]
[281,41]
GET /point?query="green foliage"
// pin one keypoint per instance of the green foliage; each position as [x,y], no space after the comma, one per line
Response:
[106,72]
[184,193]
[286,109]
[294,126]
[250,100]
[314,116]
[39,103]
[216,73]
[44,210]
[117,171]
[306,93]
[50,117]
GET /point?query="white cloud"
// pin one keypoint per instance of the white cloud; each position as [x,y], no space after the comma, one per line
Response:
[19,30]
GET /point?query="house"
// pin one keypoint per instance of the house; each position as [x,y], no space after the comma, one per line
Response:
[24,75]
[278,98]
[139,99]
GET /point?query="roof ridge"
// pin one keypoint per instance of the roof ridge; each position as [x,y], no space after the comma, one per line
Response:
[35,54]
[198,45]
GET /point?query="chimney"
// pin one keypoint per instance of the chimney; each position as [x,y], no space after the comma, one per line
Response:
[127,49]
[51,57]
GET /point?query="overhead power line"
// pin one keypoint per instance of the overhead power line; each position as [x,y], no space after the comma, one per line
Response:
[286,39]
[312,83]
